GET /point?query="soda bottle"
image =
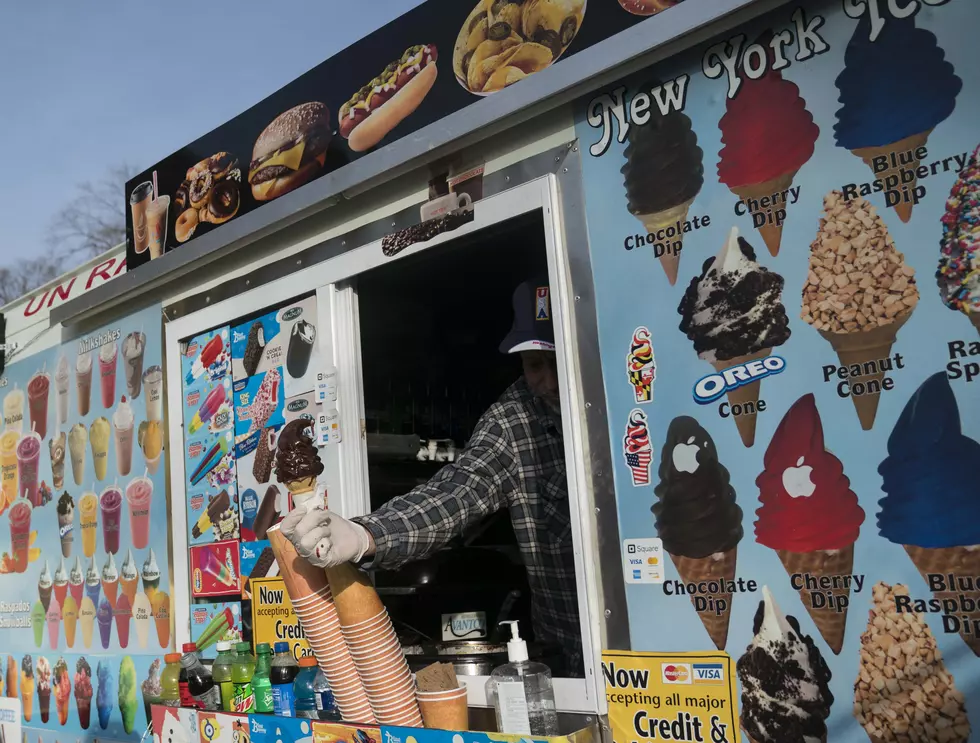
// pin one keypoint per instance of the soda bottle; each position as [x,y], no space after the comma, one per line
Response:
[261,683]
[221,673]
[282,674]
[186,700]
[242,671]
[203,690]
[326,707]
[304,692]
[170,680]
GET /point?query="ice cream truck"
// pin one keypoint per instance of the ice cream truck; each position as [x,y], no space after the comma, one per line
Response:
[751,456]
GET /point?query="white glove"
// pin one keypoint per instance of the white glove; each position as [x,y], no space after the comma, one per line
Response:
[325,539]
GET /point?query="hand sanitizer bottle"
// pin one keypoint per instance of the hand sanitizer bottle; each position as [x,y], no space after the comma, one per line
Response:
[522,693]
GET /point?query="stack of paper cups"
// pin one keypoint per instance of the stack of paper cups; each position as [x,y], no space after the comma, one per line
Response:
[312,601]
[374,648]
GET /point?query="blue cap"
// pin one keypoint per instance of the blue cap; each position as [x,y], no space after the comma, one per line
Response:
[282,647]
[532,329]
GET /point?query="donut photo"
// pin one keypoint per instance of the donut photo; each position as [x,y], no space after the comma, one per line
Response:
[647,7]
[504,41]
[210,193]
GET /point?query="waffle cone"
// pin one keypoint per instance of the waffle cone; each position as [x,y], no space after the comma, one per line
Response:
[772,234]
[820,563]
[661,220]
[860,347]
[912,143]
[353,594]
[960,561]
[301,578]
[747,393]
[695,569]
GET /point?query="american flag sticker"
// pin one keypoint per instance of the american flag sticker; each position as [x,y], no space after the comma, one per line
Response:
[637,449]
[543,311]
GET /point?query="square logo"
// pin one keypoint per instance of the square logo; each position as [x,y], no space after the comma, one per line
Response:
[631,549]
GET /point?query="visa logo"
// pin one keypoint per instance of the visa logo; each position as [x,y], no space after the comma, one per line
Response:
[709,673]
[635,562]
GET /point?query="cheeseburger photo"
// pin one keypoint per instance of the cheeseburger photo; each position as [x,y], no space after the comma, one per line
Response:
[290,151]
[379,106]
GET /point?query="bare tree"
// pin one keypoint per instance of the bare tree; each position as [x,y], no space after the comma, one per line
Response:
[95,220]
[26,275]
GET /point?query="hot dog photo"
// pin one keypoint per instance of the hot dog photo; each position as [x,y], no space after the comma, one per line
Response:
[380,105]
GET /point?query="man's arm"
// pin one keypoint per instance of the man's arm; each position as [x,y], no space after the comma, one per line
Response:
[413,526]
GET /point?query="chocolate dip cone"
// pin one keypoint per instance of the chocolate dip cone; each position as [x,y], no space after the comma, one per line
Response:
[820,563]
[860,347]
[771,233]
[662,220]
[960,561]
[912,143]
[747,393]
[712,567]
[353,594]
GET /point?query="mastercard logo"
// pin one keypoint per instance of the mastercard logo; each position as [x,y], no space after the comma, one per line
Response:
[653,561]
[676,674]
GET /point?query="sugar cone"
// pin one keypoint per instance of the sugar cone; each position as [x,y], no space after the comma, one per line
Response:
[712,567]
[662,220]
[868,154]
[820,563]
[353,594]
[747,393]
[772,233]
[860,347]
[961,562]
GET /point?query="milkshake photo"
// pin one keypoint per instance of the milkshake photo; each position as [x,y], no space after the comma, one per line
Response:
[88,521]
[107,373]
[28,456]
[13,410]
[139,495]
[122,423]
[153,381]
[37,397]
[132,350]
[110,508]
[56,447]
[77,443]
[61,382]
[8,465]
[83,381]
[99,439]
[139,200]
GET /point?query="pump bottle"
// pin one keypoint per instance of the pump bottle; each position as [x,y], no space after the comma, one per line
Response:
[522,692]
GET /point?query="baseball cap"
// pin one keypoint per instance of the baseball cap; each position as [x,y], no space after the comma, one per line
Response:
[532,329]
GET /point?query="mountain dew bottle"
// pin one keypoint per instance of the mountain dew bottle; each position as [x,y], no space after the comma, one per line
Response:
[242,671]
[261,683]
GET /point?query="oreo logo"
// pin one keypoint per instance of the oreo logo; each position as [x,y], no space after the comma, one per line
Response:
[714,386]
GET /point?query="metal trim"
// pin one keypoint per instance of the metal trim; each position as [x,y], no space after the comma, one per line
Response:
[515,175]
[541,92]
[606,516]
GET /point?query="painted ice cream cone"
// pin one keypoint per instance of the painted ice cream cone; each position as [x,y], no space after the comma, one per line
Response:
[110,581]
[663,174]
[858,294]
[129,577]
[733,313]
[698,519]
[768,135]
[161,616]
[926,508]
[885,125]
[745,395]
[770,223]
[903,690]
[959,261]
[810,517]
[785,680]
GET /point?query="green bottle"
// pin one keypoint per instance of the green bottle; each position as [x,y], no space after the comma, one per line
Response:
[242,671]
[221,673]
[261,683]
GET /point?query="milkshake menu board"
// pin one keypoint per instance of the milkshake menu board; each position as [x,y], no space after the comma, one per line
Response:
[784,233]
[85,609]
[431,62]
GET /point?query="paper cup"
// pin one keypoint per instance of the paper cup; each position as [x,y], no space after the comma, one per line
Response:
[367,624]
[385,666]
[381,647]
[301,578]
[354,596]
[395,685]
[389,702]
[445,714]
[447,694]
[413,721]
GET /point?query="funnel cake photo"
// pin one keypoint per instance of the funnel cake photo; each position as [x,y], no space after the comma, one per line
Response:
[697,517]
[785,681]
[809,514]
[890,104]
[663,174]
[733,313]
[858,294]
[298,463]
[768,135]
[929,506]
[959,262]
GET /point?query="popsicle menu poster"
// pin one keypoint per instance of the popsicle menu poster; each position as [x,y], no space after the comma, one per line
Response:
[784,234]
[84,582]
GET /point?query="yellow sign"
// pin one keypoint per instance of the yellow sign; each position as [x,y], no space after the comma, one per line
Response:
[671,696]
[273,618]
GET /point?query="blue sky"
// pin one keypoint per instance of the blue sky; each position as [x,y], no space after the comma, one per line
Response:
[89,85]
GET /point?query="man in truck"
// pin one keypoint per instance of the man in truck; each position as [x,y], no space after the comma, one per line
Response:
[514,460]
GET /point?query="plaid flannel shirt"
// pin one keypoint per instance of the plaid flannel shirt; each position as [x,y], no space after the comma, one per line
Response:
[515,459]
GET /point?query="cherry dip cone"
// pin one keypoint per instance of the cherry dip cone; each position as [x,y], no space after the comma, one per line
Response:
[830,621]
[772,227]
